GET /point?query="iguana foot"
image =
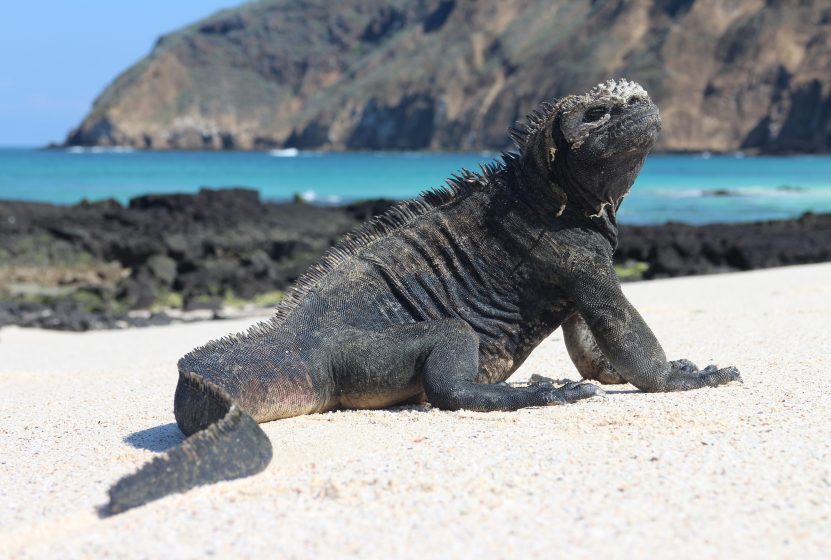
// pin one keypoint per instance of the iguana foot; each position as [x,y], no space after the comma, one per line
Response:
[685,375]
[572,391]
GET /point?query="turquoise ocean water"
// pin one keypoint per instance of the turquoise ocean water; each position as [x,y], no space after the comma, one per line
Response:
[688,188]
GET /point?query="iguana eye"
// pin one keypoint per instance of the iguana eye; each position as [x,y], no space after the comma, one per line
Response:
[594,114]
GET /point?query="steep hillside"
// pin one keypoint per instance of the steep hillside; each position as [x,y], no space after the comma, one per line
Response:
[445,74]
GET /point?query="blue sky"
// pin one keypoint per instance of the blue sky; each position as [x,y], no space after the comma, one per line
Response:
[56,56]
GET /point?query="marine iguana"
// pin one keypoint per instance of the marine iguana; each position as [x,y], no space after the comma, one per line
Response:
[442,298]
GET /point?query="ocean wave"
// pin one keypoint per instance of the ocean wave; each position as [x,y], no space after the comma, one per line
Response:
[738,154]
[314,198]
[756,191]
[285,152]
[684,193]
[100,150]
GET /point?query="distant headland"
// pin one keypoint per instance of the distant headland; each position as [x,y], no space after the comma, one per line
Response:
[447,75]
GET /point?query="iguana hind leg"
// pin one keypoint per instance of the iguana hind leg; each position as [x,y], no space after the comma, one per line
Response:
[440,357]
[586,354]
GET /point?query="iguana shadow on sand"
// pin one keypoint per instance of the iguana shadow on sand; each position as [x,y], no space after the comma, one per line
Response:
[158,438]
[441,299]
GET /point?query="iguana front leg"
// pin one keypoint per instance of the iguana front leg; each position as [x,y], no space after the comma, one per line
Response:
[627,341]
[586,354]
[371,367]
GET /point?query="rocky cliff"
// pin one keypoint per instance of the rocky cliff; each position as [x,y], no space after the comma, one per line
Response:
[753,75]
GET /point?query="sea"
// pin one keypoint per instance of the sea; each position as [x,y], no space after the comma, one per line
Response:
[697,188]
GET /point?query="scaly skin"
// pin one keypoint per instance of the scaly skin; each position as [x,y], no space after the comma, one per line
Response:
[443,298]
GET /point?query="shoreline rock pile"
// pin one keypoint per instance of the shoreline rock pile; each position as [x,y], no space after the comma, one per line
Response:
[105,265]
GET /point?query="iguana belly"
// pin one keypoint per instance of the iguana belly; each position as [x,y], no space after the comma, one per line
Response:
[380,398]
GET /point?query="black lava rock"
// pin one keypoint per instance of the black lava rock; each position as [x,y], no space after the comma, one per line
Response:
[208,246]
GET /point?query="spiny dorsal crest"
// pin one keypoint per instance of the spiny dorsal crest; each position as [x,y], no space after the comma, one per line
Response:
[522,133]
[457,188]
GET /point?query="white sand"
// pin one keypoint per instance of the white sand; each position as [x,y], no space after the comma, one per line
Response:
[738,471]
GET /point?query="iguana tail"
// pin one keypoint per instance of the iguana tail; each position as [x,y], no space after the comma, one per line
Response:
[224,443]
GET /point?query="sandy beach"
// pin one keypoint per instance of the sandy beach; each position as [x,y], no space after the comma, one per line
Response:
[742,471]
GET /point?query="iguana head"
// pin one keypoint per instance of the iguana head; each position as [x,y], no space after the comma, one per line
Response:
[588,149]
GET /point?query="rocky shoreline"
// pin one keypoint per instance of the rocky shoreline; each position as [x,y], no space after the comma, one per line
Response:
[218,253]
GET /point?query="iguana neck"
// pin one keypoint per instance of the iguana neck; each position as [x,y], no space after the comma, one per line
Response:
[538,187]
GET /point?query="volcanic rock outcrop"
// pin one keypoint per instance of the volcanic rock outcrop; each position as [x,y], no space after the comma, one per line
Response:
[87,266]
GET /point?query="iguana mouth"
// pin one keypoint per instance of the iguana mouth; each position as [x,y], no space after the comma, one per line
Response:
[629,120]
[648,123]
[650,115]
[653,116]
